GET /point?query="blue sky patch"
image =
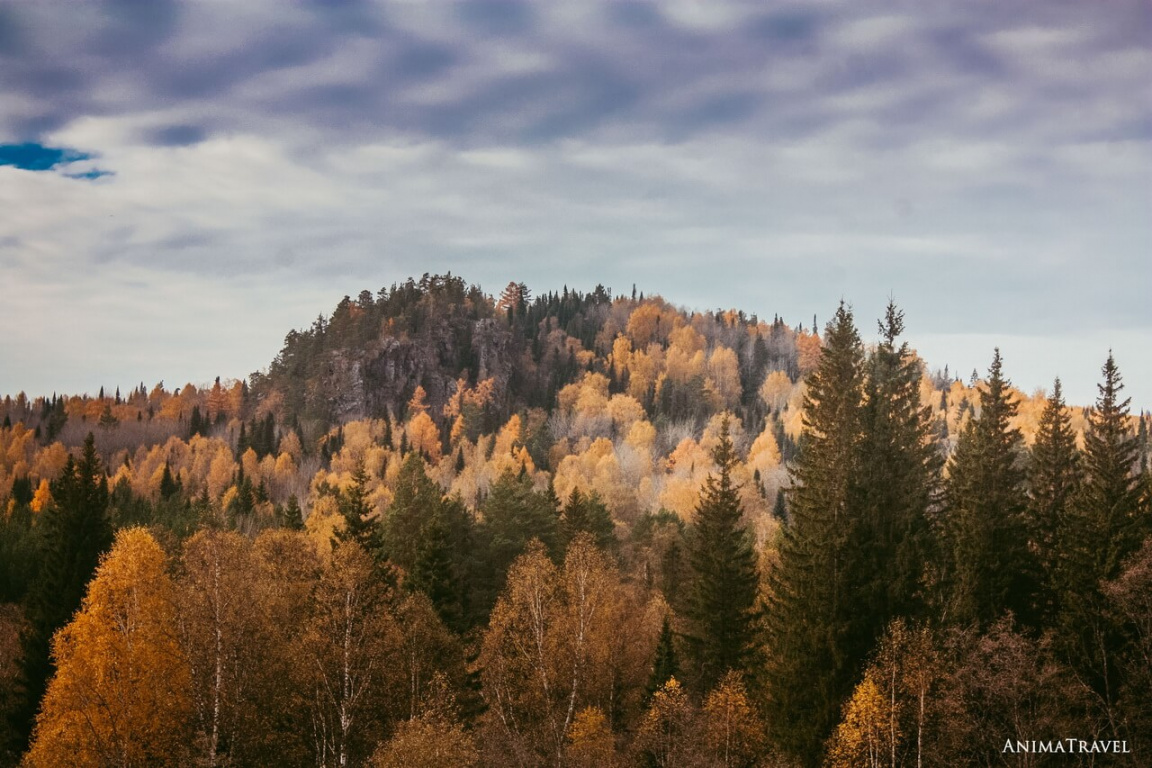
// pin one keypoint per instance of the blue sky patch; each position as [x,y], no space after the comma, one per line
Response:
[37,157]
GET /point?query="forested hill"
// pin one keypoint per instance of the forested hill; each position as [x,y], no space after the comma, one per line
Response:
[574,530]
[441,335]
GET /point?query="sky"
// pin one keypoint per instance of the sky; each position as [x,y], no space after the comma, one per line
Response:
[182,183]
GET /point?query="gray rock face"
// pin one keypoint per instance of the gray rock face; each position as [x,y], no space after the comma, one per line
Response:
[380,378]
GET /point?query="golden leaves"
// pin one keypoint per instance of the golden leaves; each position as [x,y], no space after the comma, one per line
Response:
[120,691]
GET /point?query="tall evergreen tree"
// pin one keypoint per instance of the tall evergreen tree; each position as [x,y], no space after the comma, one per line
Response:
[430,537]
[895,484]
[415,502]
[588,514]
[357,508]
[1053,477]
[435,573]
[722,602]
[808,673]
[993,569]
[664,663]
[75,532]
[513,514]
[169,486]
[1107,522]
[291,516]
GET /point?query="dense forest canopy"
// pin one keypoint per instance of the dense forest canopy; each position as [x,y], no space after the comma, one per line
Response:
[574,529]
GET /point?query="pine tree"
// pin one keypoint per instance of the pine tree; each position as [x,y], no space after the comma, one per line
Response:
[435,573]
[416,500]
[1053,478]
[430,537]
[1109,519]
[780,506]
[664,664]
[513,514]
[722,603]
[993,568]
[76,531]
[808,673]
[895,484]
[292,517]
[1107,522]
[169,487]
[590,514]
[357,508]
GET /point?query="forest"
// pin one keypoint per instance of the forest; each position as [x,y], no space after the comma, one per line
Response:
[448,528]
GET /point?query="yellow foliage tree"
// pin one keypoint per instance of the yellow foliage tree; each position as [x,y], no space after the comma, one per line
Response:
[733,729]
[544,648]
[862,739]
[347,648]
[324,523]
[424,436]
[776,390]
[428,742]
[590,741]
[667,733]
[120,694]
[42,498]
[724,373]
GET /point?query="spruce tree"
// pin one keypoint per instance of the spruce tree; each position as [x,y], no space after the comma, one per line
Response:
[722,600]
[808,673]
[1107,522]
[357,508]
[664,664]
[292,517]
[588,514]
[430,537]
[780,506]
[896,483]
[435,573]
[75,532]
[416,500]
[513,514]
[1109,519]
[1053,477]
[993,569]
[169,486]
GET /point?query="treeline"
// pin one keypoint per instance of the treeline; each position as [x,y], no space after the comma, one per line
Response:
[864,566]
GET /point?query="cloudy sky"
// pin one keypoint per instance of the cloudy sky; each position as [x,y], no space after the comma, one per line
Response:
[181,183]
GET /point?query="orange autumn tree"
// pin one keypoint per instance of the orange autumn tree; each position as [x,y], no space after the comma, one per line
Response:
[120,694]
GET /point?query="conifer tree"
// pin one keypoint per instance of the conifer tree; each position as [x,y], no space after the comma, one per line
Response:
[292,517]
[722,602]
[1053,477]
[808,673]
[357,509]
[415,503]
[780,506]
[169,487]
[664,664]
[993,568]
[75,532]
[513,514]
[1107,522]
[589,514]
[896,483]
[434,573]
